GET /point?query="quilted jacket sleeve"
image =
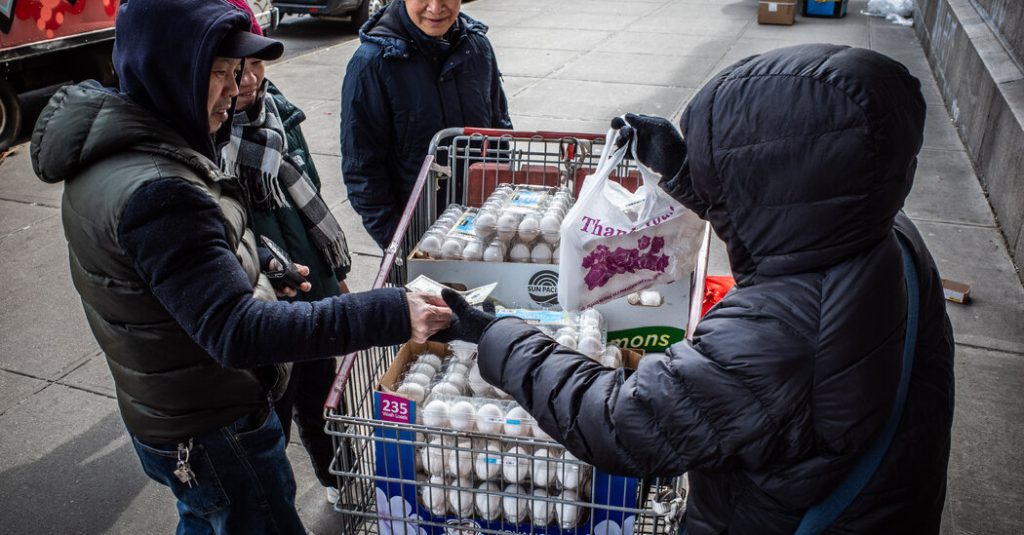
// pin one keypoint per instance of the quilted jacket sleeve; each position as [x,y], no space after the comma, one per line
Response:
[676,412]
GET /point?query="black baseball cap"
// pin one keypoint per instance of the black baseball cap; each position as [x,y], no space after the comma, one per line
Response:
[245,44]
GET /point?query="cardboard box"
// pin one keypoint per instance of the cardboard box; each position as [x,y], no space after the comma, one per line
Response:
[398,486]
[776,12]
[957,292]
[536,286]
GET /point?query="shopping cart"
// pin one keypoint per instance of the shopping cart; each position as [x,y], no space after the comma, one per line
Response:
[383,464]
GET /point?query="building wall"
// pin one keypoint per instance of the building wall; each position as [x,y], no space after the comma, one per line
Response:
[971,45]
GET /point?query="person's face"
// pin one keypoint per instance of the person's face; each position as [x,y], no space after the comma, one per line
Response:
[252,79]
[433,17]
[222,89]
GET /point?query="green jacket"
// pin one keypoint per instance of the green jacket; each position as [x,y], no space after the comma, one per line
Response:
[285,225]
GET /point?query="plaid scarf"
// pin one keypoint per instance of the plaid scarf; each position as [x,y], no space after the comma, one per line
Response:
[257,154]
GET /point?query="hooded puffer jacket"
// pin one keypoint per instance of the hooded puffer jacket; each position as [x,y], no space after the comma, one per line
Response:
[401,88]
[159,245]
[801,159]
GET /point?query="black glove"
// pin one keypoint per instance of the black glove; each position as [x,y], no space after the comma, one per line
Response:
[659,146]
[468,323]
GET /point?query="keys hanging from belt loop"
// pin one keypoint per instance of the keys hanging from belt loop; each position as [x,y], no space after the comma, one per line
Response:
[184,471]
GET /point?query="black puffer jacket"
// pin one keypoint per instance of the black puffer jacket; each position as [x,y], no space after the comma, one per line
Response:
[801,159]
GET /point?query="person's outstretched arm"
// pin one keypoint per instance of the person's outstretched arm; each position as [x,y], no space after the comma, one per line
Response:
[175,235]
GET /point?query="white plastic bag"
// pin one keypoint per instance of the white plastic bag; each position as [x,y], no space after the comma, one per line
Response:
[615,242]
[897,11]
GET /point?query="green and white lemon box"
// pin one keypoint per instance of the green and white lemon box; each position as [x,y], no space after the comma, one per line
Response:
[522,285]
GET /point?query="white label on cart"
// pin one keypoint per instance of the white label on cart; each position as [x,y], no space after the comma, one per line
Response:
[773,7]
[466,223]
[531,199]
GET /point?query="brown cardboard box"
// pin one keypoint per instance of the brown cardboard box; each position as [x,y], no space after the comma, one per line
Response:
[957,292]
[776,12]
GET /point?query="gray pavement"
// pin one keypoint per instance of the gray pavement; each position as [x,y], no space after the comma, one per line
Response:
[66,465]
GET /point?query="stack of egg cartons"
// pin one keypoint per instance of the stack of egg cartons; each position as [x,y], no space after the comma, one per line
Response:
[515,224]
[484,456]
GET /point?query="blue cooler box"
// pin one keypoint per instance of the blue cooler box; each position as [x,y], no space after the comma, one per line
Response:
[824,8]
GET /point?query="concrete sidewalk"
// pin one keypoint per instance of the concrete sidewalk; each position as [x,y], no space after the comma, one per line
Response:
[66,465]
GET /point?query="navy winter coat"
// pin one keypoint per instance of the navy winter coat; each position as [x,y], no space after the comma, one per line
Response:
[801,159]
[401,88]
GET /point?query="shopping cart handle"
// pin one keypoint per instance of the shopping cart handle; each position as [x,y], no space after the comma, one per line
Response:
[334,397]
[496,132]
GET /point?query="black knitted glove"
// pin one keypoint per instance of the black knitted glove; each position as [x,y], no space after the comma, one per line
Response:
[659,146]
[468,323]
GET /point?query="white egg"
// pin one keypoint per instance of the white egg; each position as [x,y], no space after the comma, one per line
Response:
[539,433]
[459,366]
[462,416]
[434,457]
[568,513]
[446,389]
[520,252]
[518,422]
[611,357]
[541,253]
[434,497]
[540,474]
[541,511]
[461,500]
[495,252]
[421,379]
[590,346]
[429,358]
[508,224]
[515,465]
[473,251]
[457,379]
[435,414]
[431,245]
[422,367]
[591,318]
[556,254]
[569,474]
[452,249]
[516,505]
[529,228]
[413,391]
[567,340]
[485,225]
[490,418]
[550,227]
[476,383]
[488,501]
[633,298]
[650,298]
[487,464]
[460,461]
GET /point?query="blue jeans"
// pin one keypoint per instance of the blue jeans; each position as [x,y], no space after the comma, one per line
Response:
[243,480]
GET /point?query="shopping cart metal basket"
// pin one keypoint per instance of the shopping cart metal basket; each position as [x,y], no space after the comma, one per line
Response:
[384,463]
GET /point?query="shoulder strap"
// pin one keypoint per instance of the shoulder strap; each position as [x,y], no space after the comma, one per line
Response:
[821,516]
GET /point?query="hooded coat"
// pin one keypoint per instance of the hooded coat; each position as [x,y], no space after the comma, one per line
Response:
[801,159]
[402,87]
[158,238]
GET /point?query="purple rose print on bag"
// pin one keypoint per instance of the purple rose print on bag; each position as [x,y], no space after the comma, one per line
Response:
[603,263]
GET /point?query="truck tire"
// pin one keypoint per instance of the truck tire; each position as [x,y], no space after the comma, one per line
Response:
[10,116]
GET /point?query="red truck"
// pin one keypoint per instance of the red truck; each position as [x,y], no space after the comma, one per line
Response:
[43,45]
